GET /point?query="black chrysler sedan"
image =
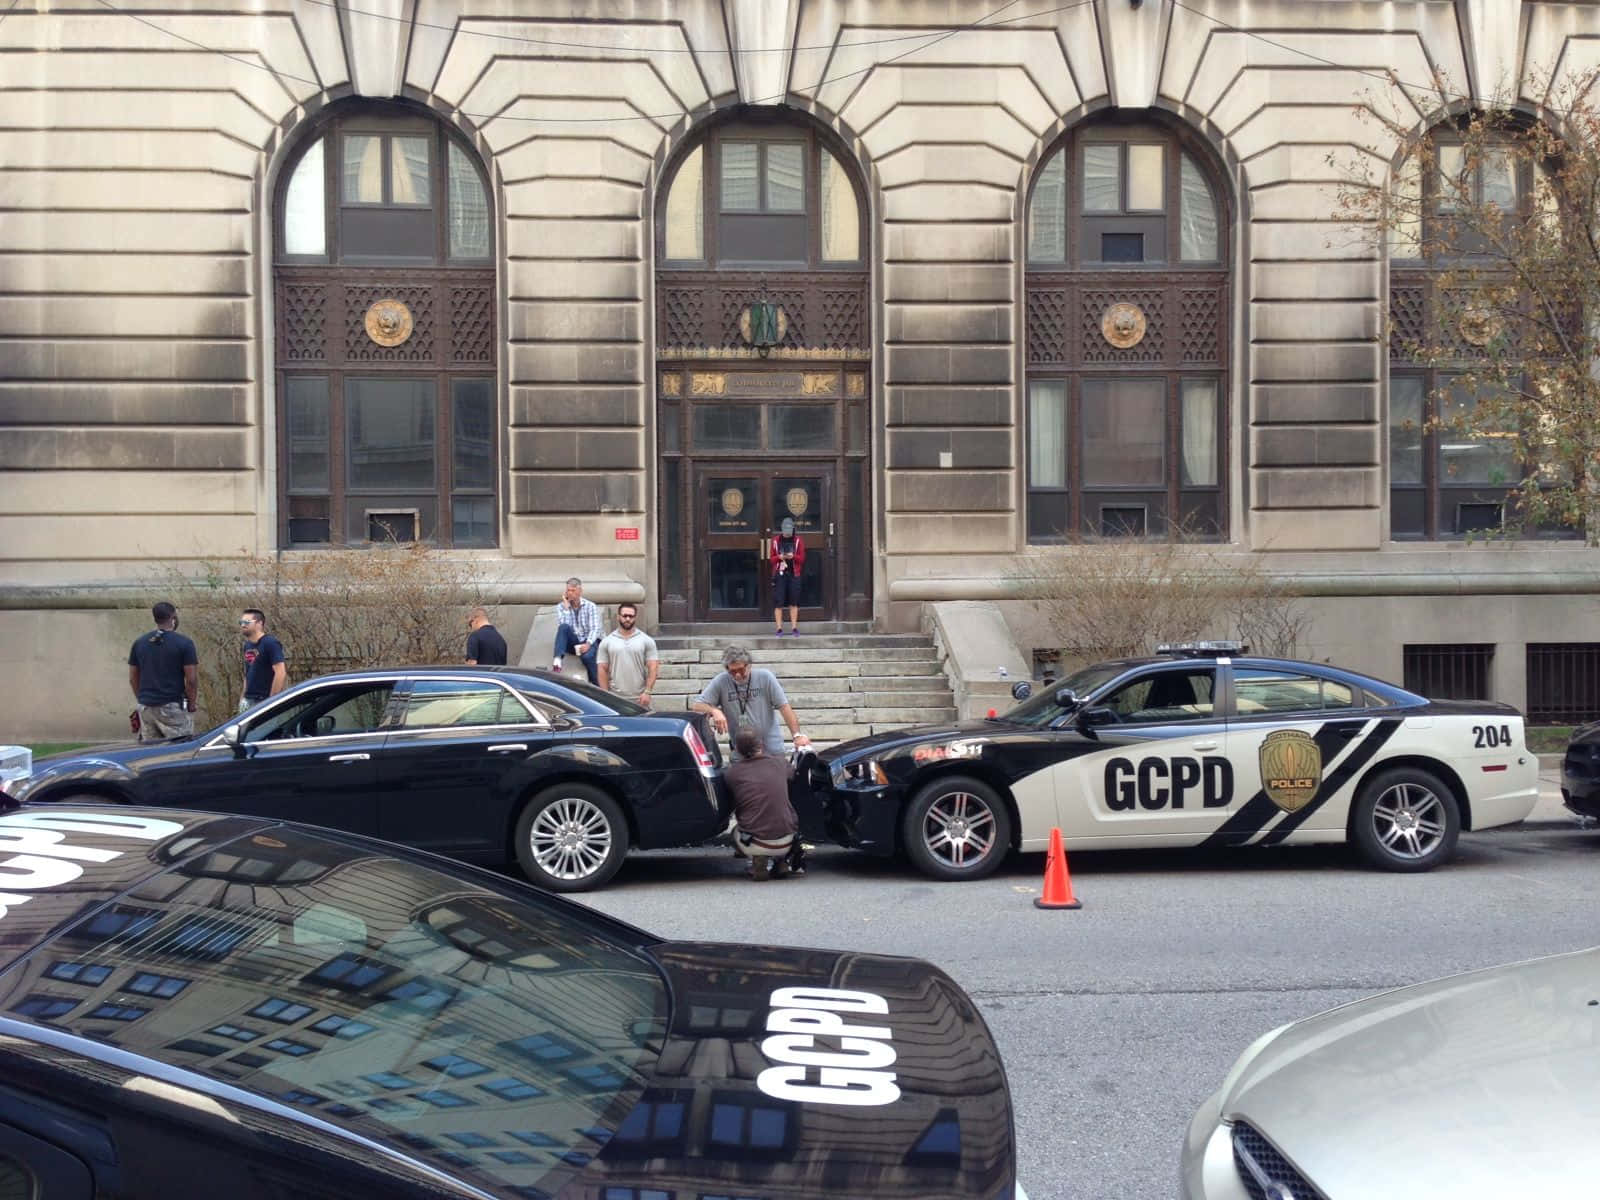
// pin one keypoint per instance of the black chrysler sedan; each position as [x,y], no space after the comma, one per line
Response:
[1200,745]
[230,1005]
[484,765]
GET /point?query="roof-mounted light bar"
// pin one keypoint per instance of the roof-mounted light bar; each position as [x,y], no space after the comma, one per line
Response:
[1216,649]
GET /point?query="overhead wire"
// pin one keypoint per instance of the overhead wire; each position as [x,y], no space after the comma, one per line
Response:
[932,37]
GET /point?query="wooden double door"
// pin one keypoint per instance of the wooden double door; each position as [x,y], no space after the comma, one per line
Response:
[739,513]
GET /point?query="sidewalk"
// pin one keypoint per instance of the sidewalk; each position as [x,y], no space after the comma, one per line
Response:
[1550,810]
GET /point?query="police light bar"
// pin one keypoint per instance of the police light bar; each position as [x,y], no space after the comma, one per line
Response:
[1201,649]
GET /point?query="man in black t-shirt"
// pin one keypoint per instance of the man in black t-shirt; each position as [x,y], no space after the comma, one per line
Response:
[485,646]
[163,672]
[266,672]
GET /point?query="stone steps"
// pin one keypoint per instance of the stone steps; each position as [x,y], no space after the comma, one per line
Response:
[843,685]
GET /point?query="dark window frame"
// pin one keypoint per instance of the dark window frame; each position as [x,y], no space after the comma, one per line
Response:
[1073,509]
[763,133]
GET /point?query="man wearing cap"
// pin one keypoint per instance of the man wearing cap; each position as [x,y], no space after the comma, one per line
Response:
[788,558]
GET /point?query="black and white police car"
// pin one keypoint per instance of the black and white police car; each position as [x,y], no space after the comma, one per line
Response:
[1199,745]
[196,1004]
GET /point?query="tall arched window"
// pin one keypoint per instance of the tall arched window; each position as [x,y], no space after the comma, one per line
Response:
[1453,471]
[384,286]
[1127,289]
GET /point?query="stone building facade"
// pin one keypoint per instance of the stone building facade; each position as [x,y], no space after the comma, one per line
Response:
[609,290]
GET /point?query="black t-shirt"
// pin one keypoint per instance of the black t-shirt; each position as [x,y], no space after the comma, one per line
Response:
[259,660]
[161,655]
[486,647]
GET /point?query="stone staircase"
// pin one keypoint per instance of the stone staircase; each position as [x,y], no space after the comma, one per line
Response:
[842,684]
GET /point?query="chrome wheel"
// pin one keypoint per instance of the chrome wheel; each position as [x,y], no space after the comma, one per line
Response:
[958,829]
[1409,821]
[570,839]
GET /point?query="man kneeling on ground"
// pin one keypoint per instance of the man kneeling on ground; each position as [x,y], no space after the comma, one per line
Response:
[766,820]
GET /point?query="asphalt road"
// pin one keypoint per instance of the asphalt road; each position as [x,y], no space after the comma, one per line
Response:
[1118,1019]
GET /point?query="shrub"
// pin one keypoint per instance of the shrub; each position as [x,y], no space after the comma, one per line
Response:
[401,604]
[1118,599]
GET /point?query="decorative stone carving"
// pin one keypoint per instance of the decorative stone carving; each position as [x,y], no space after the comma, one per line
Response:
[1479,326]
[1123,325]
[388,322]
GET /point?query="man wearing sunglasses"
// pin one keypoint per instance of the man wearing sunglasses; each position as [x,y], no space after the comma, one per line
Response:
[265,670]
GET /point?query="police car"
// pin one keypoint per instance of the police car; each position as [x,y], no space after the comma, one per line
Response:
[1199,745]
[194,1004]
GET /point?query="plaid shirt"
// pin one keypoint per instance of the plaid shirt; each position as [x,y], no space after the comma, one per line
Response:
[585,619]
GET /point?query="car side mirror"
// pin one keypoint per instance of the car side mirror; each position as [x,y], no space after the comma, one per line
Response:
[1066,698]
[1090,718]
[233,737]
[1021,690]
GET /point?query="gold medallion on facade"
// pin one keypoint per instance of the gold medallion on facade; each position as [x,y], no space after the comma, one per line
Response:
[1478,326]
[798,501]
[733,501]
[1123,325]
[388,321]
[1291,768]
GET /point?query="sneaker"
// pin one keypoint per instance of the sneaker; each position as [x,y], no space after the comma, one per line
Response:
[794,633]
[777,633]
[556,666]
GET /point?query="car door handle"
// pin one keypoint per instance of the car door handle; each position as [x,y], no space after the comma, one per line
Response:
[1351,731]
[509,748]
[349,757]
[1205,745]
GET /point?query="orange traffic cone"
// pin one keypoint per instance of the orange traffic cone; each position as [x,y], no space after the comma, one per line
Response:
[1057,883]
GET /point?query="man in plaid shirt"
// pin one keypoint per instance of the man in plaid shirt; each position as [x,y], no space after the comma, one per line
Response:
[579,631]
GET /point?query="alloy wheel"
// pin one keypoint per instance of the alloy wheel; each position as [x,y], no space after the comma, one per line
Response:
[1409,820]
[959,829]
[570,838]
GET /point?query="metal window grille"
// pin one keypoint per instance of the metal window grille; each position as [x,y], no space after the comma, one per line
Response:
[1563,682]
[1449,671]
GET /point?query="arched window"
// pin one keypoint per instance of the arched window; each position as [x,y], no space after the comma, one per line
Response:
[1453,470]
[762,194]
[1127,319]
[384,289]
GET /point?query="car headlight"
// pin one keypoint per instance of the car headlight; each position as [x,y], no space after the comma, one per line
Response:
[861,773]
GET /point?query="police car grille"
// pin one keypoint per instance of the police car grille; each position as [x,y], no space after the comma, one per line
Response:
[1288,1183]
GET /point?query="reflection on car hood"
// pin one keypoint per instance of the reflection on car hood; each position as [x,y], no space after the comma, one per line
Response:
[1491,1079]
[751,1091]
[896,738]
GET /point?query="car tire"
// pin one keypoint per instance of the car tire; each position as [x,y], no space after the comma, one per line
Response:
[571,837]
[1405,819]
[956,827]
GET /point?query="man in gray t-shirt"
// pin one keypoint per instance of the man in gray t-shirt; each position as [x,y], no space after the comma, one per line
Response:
[749,697]
[628,661]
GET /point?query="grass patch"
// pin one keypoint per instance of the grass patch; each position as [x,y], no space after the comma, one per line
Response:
[40,749]
[1548,739]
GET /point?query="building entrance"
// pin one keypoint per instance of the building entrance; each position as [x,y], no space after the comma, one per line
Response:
[740,451]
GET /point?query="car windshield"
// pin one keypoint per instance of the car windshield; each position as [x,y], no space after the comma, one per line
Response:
[497,1038]
[1041,709]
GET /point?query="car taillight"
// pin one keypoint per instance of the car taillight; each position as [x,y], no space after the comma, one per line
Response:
[702,756]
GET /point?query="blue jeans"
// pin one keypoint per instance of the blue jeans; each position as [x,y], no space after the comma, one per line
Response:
[567,642]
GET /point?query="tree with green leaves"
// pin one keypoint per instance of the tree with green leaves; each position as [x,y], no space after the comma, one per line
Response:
[1491,216]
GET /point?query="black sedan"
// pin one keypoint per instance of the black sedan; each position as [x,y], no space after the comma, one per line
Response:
[482,765]
[1202,745]
[1580,772]
[221,1005]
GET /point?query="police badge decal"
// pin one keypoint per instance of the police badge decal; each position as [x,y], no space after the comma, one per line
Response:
[1291,768]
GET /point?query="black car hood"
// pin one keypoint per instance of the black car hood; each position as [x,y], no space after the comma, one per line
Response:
[813,1073]
[913,736]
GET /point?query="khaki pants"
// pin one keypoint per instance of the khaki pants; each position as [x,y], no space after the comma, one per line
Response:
[163,722]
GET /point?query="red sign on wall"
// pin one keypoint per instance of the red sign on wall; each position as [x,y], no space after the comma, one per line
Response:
[626,534]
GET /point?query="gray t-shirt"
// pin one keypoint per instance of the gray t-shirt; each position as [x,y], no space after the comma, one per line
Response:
[627,661]
[755,703]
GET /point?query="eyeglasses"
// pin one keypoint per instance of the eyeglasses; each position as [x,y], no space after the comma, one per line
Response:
[247,620]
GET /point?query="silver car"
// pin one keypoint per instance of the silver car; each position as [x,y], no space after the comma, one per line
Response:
[1478,1085]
